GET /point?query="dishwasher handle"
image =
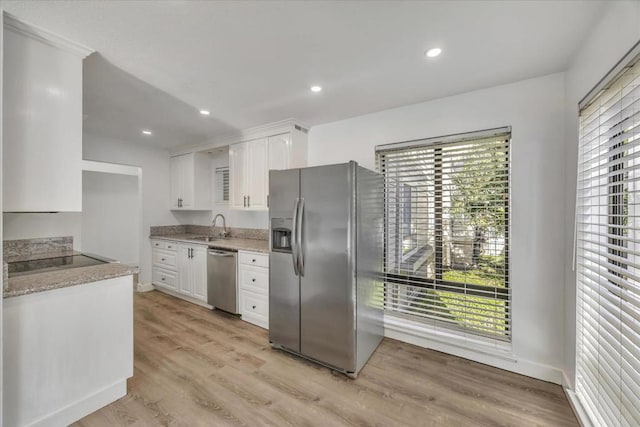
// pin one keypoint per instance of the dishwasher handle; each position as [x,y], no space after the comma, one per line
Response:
[221,253]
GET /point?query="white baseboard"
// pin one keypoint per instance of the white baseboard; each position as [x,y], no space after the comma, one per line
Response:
[144,287]
[498,356]
[183,297]
[567,383]
[578,409]
[84,407]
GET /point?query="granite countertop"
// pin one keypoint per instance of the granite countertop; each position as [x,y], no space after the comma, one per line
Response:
[238,244]
[45,281]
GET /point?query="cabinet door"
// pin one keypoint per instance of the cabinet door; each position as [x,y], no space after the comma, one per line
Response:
[42,118]
[199,273]
[279,151]
[258,184]
[237,174]
[176,180]
[187,185]
[185,283]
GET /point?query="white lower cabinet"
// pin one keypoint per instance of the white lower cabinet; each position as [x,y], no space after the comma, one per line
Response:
[198,269]
[253,287]
[180,268]
[164,278]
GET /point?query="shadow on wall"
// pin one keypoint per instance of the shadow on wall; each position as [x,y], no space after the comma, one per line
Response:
[111,216]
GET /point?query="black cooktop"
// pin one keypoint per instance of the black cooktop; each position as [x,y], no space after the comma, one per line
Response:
[52,264]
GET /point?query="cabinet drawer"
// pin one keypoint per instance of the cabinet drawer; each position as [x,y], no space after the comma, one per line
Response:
[164,244]
[254,308]
[255,279]
[164,278]
[252,258]
[165,259]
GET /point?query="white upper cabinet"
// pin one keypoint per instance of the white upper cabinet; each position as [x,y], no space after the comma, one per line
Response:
[247,167]
[42,120]
[250,162]
[257,184]
[191,182]
[237,175]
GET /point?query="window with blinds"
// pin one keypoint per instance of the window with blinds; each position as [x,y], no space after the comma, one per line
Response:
[447,231]
[222,185]
[608,249]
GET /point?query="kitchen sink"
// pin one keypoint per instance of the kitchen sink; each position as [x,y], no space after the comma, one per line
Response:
[206,238]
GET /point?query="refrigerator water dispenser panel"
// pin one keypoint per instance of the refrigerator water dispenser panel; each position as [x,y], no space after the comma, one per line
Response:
[281,234]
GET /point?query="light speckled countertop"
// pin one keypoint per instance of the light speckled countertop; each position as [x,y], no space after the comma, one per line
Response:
[254,245]
[45,281]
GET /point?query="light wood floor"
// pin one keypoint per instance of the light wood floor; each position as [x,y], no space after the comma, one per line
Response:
[195,367]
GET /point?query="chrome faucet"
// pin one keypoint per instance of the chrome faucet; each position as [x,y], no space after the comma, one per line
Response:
[224,232]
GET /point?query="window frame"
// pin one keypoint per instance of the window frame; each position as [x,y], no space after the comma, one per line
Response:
[438,283]
[606,245]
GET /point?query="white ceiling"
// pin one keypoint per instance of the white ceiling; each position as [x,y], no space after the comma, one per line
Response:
[252,62]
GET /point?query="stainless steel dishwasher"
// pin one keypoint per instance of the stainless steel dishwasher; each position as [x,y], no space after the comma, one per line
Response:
[222,292]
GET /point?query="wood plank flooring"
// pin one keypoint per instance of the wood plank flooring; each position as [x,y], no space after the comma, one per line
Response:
[196,367]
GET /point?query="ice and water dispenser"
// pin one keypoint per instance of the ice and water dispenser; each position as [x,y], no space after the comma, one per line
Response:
[281,234]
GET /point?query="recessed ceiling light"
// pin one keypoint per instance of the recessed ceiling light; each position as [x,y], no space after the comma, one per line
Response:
[147,132]
[205,112]
[432,53]
[316,89]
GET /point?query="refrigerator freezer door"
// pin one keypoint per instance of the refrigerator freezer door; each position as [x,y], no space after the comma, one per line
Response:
[284,283]
[327,294]
[284,302]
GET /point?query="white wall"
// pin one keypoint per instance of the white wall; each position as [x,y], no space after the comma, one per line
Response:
[156,178]
[616,32]
[32,225]
[111,210]
[535,110]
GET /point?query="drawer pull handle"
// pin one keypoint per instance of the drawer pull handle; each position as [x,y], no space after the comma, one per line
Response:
[254,307]
[157,244]
[163,259]
[253,260]
[163,279]
[253,280]
[169,247]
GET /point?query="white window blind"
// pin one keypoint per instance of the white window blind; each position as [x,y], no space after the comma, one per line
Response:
[222,185]
[447,231]
[608,251]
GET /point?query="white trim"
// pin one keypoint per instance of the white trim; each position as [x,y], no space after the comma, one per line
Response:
[144,287]
[445,139]
[47,37]
[182,297]
[84,407]
[263,131]
[114,168]
[491,352]
[626,62]
[578,409]
[566,382]
[1,210]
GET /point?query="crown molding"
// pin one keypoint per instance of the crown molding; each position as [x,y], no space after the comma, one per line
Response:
[14,24]
[262,131]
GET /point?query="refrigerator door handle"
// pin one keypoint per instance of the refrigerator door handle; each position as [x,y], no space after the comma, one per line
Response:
[299,238]
[294,243]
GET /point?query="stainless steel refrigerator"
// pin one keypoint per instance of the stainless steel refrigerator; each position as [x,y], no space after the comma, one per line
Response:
[326,259]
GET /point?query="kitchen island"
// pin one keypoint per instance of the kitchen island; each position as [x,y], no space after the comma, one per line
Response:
[68,340]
